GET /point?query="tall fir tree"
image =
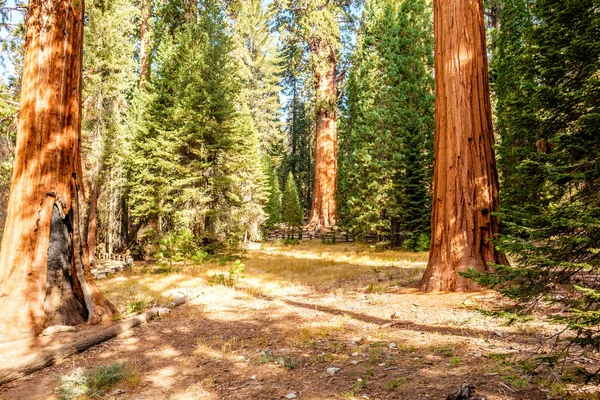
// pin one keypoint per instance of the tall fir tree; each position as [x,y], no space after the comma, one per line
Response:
[109,67]
[273,206]
[261,70]
[387,135]
[549,113]
[195,161]
[291,211]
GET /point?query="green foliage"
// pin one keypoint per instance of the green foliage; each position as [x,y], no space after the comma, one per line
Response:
[291,211]
[273,206]
[386,137]
[548,116]
[93,383]
[8,130]
[260,69]
[136,305]
[232,276]
[109,78]
[395,383]
[195,161]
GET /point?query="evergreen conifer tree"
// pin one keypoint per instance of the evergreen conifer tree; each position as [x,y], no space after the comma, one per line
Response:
[551,146]
[387,136]
[273,206]
[196,160]
[291,211]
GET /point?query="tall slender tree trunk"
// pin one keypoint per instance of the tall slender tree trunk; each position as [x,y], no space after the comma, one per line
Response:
[92,223]
[465,191]
[324,209]
[45,277]
[145,15]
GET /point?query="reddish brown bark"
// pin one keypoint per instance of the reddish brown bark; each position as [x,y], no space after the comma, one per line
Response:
[465,191]
[145,15]
[324,208]
[46,180]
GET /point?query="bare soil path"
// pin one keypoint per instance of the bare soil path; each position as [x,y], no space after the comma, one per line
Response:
[310,321]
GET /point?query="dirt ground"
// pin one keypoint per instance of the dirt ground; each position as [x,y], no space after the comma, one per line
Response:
[309,322]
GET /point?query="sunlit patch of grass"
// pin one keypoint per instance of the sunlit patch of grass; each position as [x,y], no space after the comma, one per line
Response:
[319,265]
[395,383]
[95,382]
[515,381]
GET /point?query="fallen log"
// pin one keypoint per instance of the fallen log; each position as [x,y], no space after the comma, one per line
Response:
[46,358]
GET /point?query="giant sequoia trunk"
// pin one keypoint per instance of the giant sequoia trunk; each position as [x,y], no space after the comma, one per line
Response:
[45,277]
[465,189]
[145,15]
[323,210]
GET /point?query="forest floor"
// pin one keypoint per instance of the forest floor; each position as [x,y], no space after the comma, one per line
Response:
[309,322]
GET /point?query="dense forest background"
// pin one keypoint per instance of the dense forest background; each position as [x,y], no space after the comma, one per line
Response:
[200,117]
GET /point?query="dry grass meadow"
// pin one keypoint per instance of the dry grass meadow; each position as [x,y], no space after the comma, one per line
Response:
[309,321]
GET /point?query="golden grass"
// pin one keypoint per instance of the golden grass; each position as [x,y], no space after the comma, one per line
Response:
[276,271]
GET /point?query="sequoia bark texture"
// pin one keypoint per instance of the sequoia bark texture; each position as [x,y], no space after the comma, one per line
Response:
[44,273]
[145,16]
[465,189]
[324,208]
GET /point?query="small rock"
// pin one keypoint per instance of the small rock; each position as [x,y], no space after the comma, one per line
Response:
[353,362]
[332,370]
[116,392]
[357,340]
[241,358]
[267,352]
[498,333]
[476,355]
[359,379]
[253,377]
[354,354]
[393,345]
[382,365]
[291,395]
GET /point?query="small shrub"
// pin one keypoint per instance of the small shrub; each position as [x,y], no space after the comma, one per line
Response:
[200,256]
[94,383]
[422,242]
[515,381]
[229,279]
[395,383]
[136,305]
[455,361]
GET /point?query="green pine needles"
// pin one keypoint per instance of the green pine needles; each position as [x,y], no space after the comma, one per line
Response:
[386,140]
[549,118]
[196,153]
[291,211]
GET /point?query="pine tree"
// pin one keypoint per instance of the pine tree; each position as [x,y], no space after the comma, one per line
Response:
[196,160]
[273,206]
[387,132]
[291,211]
[109,65]
[551,147]
[260,70]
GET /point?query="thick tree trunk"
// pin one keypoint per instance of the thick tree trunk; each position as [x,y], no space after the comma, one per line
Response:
[465,191]
[324,209]
[145,15]
[44,274]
